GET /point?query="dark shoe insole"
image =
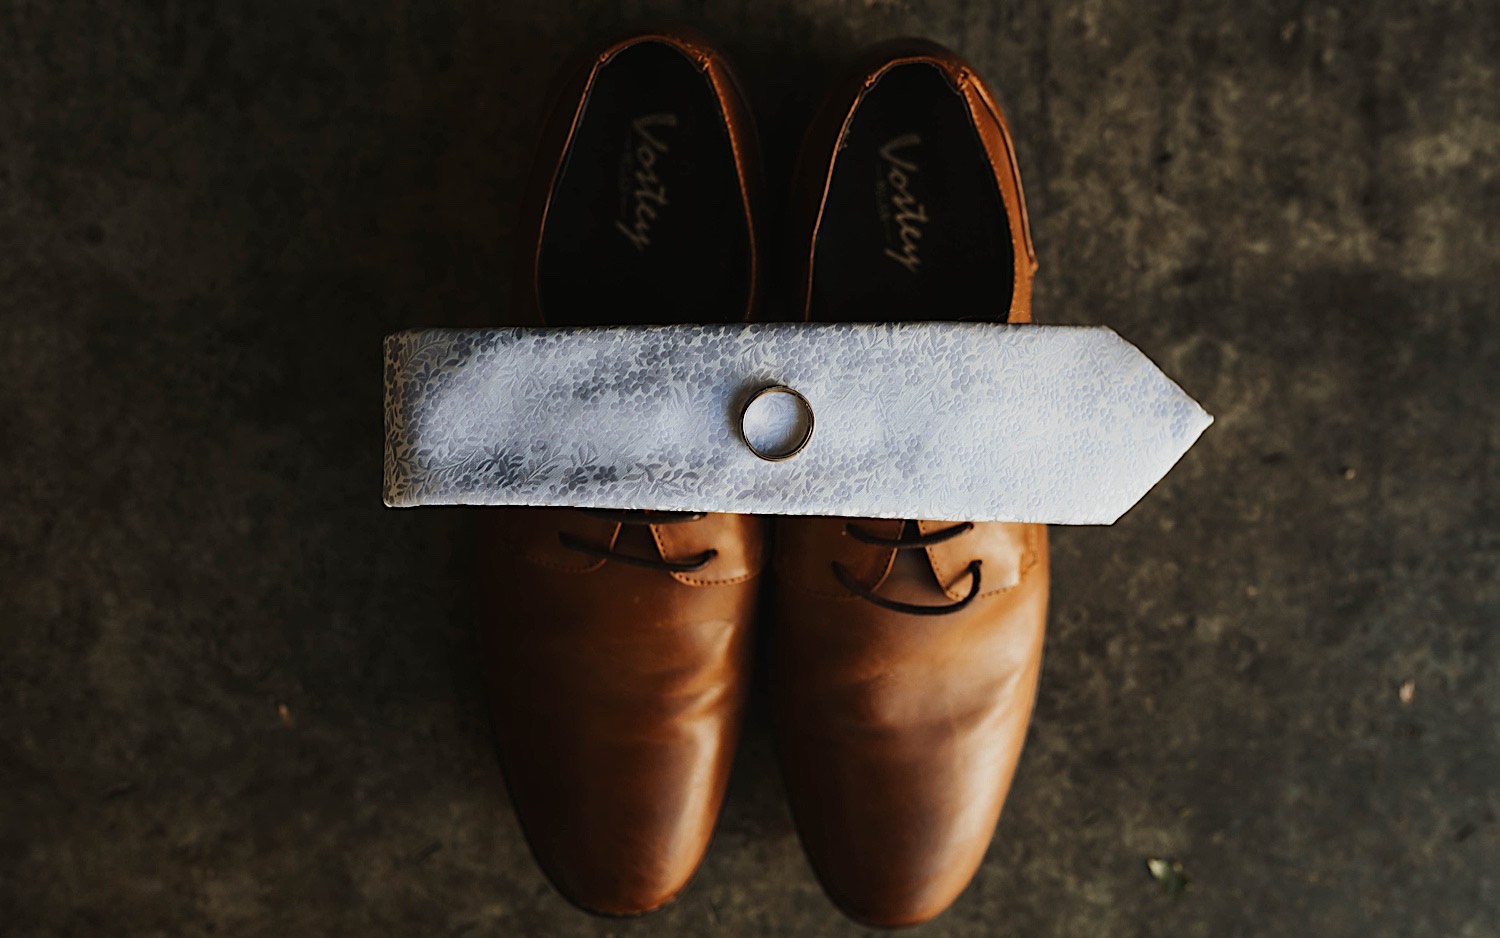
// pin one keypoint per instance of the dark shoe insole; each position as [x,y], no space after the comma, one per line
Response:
[646,223]
[914,227]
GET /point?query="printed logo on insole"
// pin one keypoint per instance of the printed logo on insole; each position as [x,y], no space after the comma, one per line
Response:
[643,194]
[900,208]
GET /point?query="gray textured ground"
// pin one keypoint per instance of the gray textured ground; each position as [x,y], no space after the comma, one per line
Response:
[211,211]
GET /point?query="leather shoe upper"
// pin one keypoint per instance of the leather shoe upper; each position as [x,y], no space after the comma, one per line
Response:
[905,654]
[616,645]
[616,693]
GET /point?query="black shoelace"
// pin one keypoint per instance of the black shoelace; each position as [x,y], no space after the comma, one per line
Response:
[908,541]
[623,516]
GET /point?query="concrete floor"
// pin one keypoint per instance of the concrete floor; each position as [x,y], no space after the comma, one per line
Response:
[238,697]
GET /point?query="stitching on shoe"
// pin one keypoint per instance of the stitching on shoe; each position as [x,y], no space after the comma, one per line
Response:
[730,582]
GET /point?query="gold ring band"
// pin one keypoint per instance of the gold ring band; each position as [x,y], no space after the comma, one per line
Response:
[800,443]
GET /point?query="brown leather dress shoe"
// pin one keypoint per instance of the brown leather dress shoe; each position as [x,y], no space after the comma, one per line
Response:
[617,645]
[905,654]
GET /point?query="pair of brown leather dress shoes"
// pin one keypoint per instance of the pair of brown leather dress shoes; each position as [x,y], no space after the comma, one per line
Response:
[903,655]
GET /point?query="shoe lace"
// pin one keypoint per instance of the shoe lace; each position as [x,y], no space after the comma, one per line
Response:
[626,516]
[910,538]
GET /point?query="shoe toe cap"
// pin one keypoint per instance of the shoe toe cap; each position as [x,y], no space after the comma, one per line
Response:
[619,837]
[902,872]
[620,882]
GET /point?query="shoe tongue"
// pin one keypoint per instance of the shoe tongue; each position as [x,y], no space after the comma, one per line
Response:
[910,580]
[634,540]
